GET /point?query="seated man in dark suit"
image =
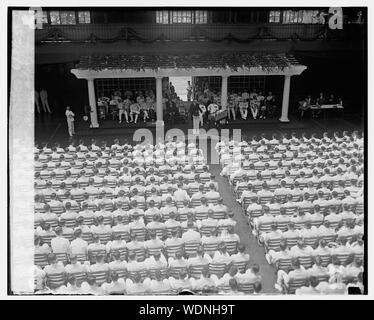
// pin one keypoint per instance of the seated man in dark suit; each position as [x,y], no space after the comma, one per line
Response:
[172,111]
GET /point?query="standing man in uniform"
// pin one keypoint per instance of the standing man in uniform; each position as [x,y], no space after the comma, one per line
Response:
[70,119]
[37,101]
[195,111]
[44,98]
[189,90]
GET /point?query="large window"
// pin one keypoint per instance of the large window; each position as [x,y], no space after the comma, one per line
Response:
[239,83]
[44,17]
[162,17]
[274,16]
[62,17]
[84,17]
[299,16]
[214,83]
[291,16]
[201,16]
[109,86]
[182,16]
[67,17]
[55,17]
[166,17]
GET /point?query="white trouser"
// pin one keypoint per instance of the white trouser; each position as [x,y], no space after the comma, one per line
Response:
[71,127]
[37,104]
[121,112]
[254,111]
[136,116]
[201,118]
[232,112]
[196,122]
[244,113]
[45,105]
[145,114]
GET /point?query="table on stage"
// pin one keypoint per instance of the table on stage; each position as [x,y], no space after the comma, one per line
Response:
[326,108]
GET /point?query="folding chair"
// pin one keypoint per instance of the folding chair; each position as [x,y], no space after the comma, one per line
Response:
[343,258]
[62,257]
[47,239]
[210,248]
[273,244]
[175,271]
[325,260]
[217,269]
[284,264]
[40,259]
[247,288]
[306,261]
[196,271]
[206,231]
[140,254]
[121,251]
[140,233]
[201,215]
[190,248]
[56,280]
[170,230]
[152,273]
[105,237]
[294,284]
[329,238]
[240,265]
[219,215]
[82,258]
[100,276]
[79,276]
[122,273]
[92,254]
[172,249]
[231,246]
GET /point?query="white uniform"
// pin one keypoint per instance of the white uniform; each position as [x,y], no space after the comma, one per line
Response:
[44,99]
[70,119]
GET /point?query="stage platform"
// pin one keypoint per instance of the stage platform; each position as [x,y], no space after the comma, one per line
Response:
[112,127]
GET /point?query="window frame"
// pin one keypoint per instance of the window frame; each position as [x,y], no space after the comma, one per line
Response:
[168,17]
[196,14]
[60,18]
[84,11]
[279,16]
[191,12]
[67,15]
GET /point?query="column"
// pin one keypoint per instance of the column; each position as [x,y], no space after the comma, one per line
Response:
[92,101]
[224,92]
[159,110]
[286,99]
[160,134]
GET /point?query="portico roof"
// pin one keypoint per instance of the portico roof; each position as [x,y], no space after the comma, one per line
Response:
[212,64]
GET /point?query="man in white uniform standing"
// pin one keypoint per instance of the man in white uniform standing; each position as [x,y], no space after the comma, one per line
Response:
[70,119]
[44,99]
[37,101]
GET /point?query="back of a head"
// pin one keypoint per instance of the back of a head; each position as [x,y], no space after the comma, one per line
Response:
[257,287]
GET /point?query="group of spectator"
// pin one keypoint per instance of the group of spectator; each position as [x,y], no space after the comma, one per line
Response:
[304,200]
[134,220]
[134,106]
